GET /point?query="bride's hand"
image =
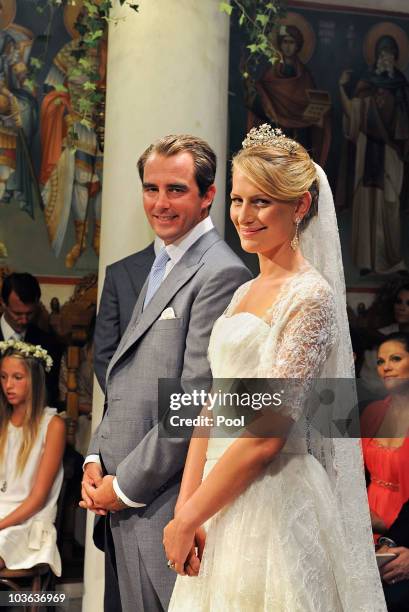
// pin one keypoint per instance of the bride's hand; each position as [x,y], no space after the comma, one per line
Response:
[178,540]
[192,563]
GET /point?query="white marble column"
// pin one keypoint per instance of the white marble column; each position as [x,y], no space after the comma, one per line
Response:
[167,73]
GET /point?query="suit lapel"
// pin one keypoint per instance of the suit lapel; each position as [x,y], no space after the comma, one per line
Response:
[183,271]
[137,312]
[139,267]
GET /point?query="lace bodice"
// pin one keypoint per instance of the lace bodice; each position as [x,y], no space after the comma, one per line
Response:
[292,340]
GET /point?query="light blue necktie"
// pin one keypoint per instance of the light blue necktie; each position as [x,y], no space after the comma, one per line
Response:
[156,275]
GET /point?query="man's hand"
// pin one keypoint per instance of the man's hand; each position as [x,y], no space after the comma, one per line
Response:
[104,495]
[92,478]
[397,569]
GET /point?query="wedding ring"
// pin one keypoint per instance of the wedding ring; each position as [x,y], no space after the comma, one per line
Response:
[171,565]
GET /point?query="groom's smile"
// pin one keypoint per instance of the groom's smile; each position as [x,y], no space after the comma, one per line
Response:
[171,197]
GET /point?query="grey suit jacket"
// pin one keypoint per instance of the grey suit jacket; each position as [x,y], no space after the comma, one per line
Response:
[198,289]
[124,280]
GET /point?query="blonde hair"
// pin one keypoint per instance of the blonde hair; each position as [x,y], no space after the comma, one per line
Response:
[282,171]
[34,412]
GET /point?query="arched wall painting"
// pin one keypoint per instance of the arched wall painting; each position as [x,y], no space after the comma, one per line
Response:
[342,89]
[50,160]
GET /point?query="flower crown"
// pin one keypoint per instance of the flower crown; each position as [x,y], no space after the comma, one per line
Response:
[265,135]
[28,350]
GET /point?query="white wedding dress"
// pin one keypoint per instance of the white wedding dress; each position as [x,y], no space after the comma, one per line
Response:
[280,546]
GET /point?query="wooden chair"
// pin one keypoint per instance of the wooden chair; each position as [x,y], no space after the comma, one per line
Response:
[35,580]
[78,311]
[72,399]
[76,317]
[77,314]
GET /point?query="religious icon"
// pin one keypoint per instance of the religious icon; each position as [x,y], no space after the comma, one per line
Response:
[287,95]
[18,115]
[71,172]
[377,121]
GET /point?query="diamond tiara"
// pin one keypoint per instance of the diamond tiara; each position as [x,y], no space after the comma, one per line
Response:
[265,135]
[28,350]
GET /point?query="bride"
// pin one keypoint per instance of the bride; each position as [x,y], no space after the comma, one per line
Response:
[278,523]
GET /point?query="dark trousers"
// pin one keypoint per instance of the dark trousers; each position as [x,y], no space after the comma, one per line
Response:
[112,598]
[103,540]
[397,596]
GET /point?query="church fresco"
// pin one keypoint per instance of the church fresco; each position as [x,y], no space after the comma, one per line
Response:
[50,159]
[342,90]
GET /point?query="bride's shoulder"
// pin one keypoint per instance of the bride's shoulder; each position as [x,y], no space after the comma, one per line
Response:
[312,285]
[245,285]
[240,291]
[237,296]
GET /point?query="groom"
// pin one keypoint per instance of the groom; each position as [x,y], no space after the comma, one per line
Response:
[131,472]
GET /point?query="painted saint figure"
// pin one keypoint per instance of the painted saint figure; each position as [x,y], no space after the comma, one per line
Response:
[71,172]
[377,121]
[283,89]
[18,115]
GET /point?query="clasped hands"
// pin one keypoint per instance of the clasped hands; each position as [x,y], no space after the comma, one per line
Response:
[184,546]
[97,491]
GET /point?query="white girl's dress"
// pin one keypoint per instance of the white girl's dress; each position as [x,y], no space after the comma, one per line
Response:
[280,545]
[35,540]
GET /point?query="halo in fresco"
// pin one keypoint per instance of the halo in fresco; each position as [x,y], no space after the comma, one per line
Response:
[386,28]
[308,34]
[71,12]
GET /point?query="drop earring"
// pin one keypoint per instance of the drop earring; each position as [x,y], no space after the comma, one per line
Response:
[294,242]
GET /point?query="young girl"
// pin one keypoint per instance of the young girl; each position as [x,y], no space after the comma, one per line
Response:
[32,440]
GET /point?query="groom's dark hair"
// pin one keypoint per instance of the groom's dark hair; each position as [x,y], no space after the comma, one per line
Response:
[204,158]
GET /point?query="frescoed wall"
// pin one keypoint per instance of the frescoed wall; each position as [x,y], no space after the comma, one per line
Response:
[50,157]
[342,90]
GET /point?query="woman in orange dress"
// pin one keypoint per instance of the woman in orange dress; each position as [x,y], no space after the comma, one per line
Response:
[384,429]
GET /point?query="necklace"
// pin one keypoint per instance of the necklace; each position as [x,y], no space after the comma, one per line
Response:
[3,478]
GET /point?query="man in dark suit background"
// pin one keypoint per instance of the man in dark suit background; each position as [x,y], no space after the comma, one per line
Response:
[20,297]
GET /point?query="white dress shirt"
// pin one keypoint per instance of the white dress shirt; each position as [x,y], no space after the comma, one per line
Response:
[179,248]
[8,332]
[175,252]
[157,245]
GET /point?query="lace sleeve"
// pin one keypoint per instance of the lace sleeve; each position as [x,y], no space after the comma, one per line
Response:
[301,347]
